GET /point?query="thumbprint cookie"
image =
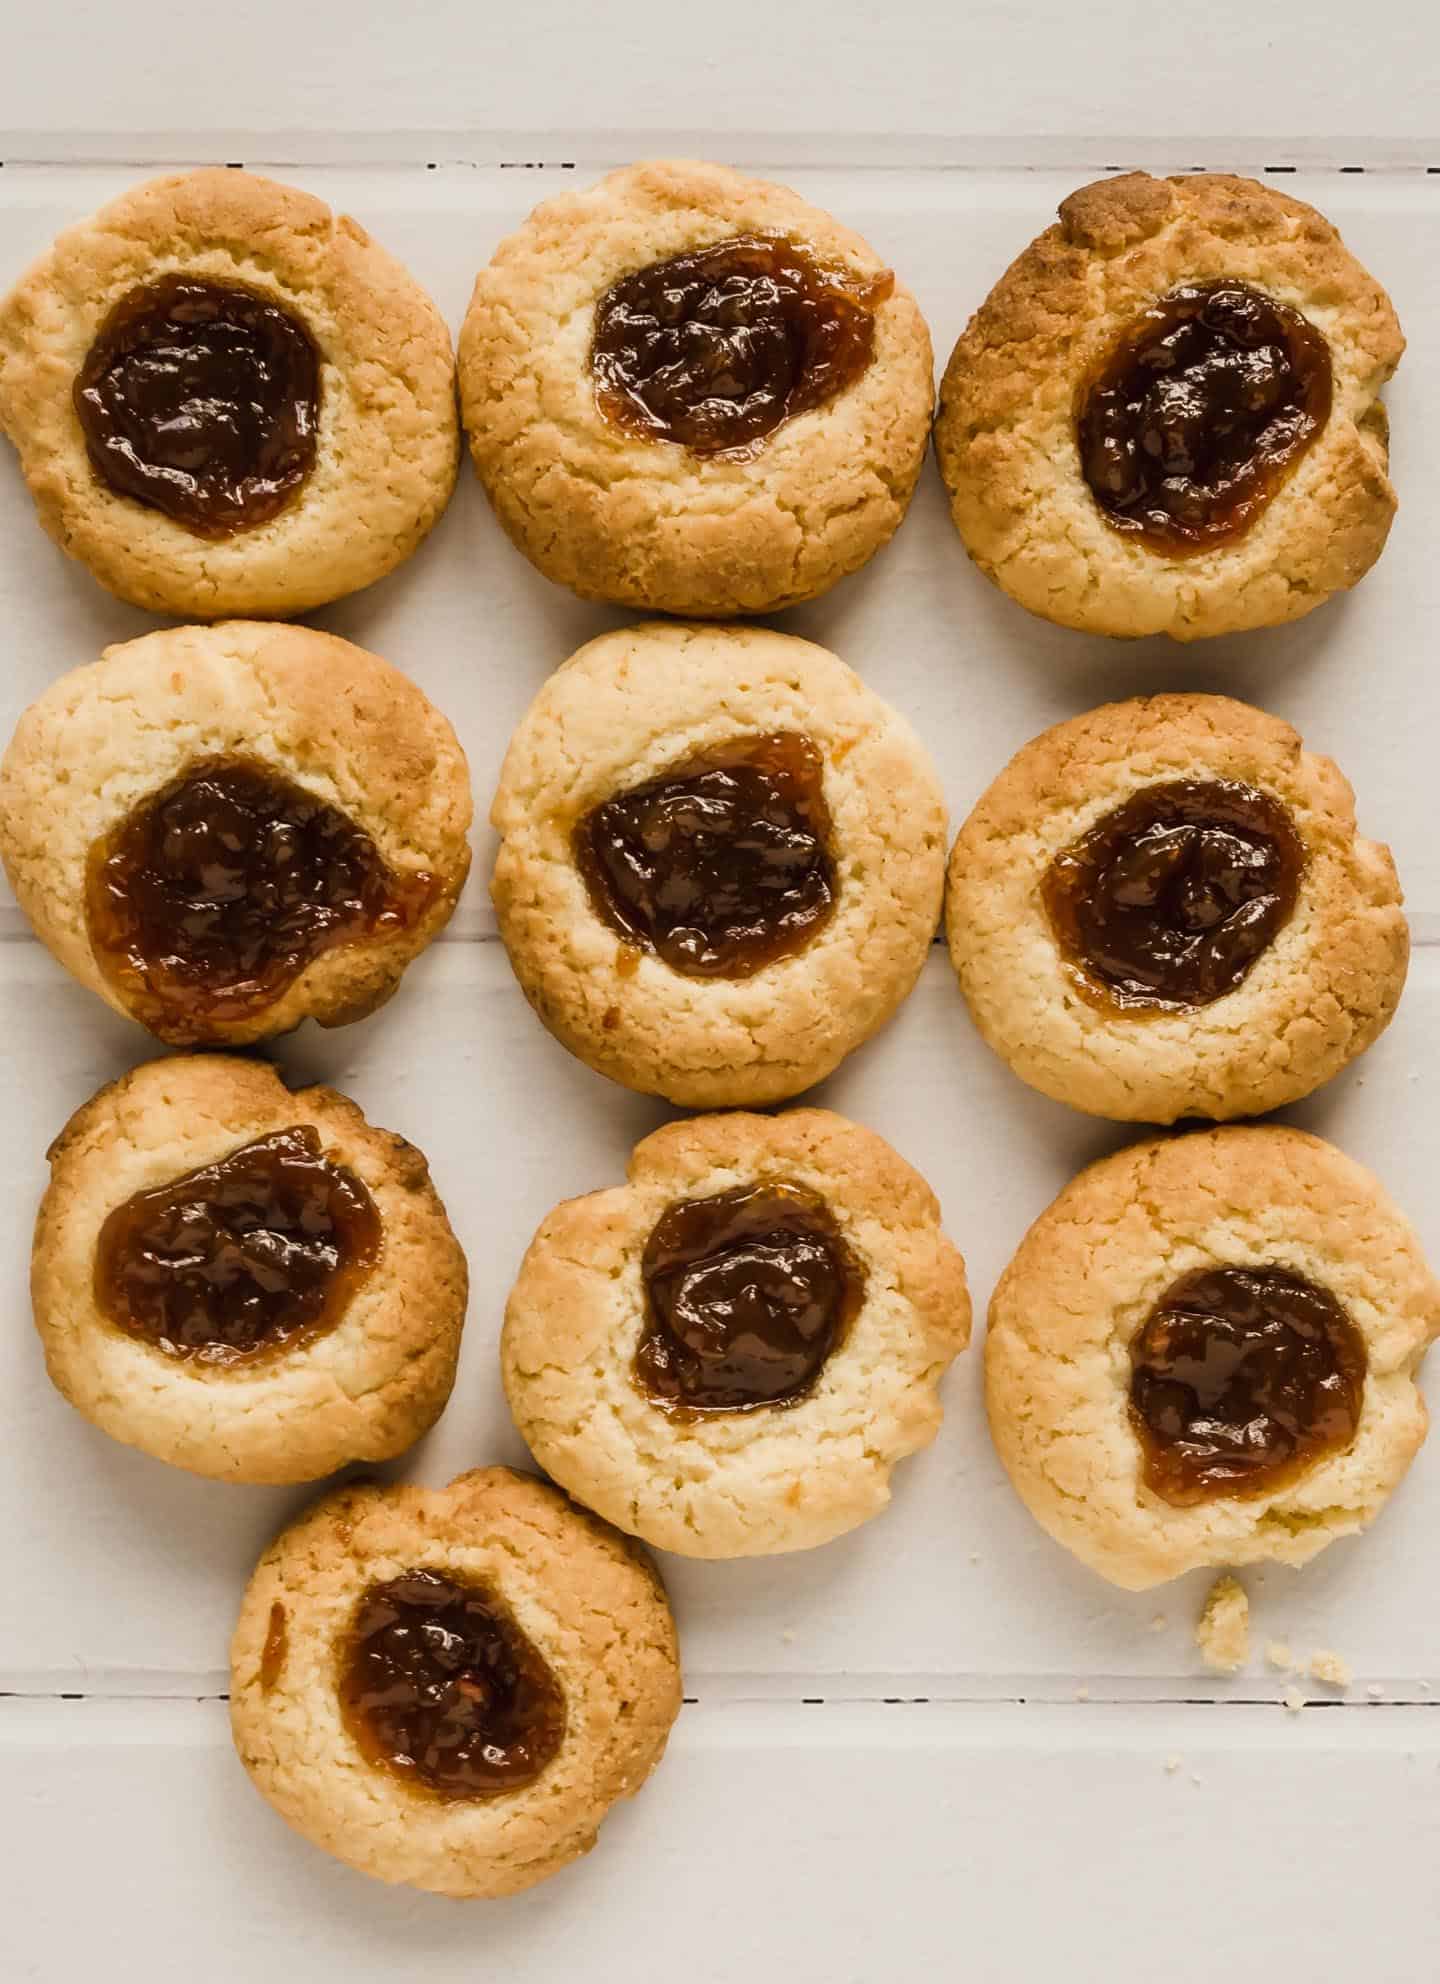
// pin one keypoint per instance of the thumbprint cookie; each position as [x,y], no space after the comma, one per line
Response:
[1165,417]
[451,1687]
[226,830]
[1163,909]
[1205,1353]
[721,860]
[245,1282]
[693,392]
[226,399]
[728,1354]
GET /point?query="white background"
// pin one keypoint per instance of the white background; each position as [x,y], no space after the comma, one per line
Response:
[937,1747]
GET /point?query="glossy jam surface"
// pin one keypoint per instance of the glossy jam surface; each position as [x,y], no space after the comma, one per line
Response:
[1241,1378]
[202,400]
[1168,901]
[722,864]
[715,349]
[1200,412]
[215,892]
[747,1293]
[439,1685]
[251,1254]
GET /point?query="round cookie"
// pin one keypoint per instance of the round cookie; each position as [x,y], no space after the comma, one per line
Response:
[740,514]
[1111,1306]
[727,1355]
[228,400]
[1163,909]
[571,1676]
[252,1284]
[1288,349]
[648,932]
[130,785]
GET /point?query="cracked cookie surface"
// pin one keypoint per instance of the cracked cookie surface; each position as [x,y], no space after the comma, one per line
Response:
[364,1389]
[586,1598]
[387,443]
[1005,434]
[618,516]
[342,724]
[625,709]
[1320,991]
[1093,1267]
[767,1479]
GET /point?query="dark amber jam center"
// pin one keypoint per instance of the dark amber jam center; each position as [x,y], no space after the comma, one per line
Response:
[1200,412]
[201,399]
[722,864]
[254,1253]
[215,892]
[1241,1379]
[1168,901]
[439,1685]
[717,348]
[747,1293]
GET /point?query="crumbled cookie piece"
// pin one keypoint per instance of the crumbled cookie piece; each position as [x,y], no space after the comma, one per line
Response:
[1222,1631]
[1330,1668]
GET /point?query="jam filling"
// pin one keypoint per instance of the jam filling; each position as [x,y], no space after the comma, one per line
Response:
[1167,902]
[1200,412]
[439,1685]
[201,399]
[1241,1379]
[216,892]
[717,348]
[722,864]
[747,1294]
[255,1253]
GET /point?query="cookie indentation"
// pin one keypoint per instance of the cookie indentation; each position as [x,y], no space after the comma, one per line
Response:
[1202,409]
[440,1686]
[1241,1378]
[252,1254]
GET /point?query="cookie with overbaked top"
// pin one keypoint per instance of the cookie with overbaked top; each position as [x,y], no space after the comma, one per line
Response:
[612,506]
[1015,393]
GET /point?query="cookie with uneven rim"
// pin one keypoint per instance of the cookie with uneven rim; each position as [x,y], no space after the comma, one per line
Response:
[1084,1281]
[647,523]
[587,1599]
[749,1483]
[1322,990]
[388,437]
[1005,433]
[364,1389]
[332,718]
[625,709]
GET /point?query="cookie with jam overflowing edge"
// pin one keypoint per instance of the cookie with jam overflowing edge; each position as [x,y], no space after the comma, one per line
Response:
[1005,432]
[336,720]
[626,708]
[645,523]
[1083,1282]
[364,1389]
[388,435]
[748,1483]
[587,1598]
[1323,989]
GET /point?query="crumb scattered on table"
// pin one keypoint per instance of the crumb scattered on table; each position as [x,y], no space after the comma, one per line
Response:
[1279,1656]
[1330,1668]
[1222,1631]
[1158,1623]
[1173,1762]
[1294,1701]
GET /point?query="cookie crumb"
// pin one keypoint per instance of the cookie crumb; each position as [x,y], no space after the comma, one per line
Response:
[1375,1692]
[1279,1656]
[1082,1694]
[1158,1623]
[1222,1631]
[1294,1701]
[1330,1668]
[788,1636]
[1173,1762]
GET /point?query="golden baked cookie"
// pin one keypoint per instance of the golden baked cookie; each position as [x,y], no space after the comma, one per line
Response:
[728,1354]
[1205,1351]
[1165,417]
[693,392]
[226,830]
[451,1687]
[228,400]
[1163,909]
[245,1282]
[721,860]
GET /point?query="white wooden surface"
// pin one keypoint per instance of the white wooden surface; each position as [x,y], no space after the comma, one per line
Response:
[1017,1821]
